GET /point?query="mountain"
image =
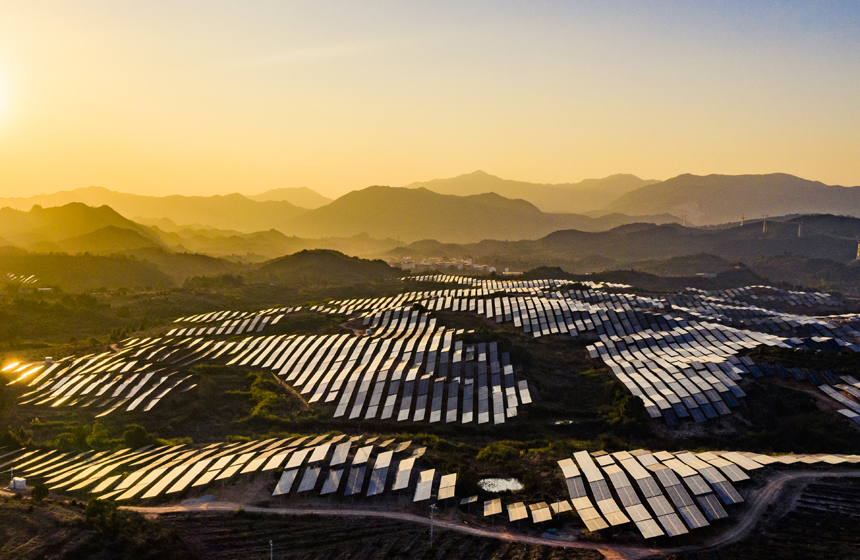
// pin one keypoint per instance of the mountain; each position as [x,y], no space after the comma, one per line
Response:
[414,214]
[232,211]
[302,197]
[323,267]
[264,245]
[75,224]
[825,250]
[714,199]
[585,196]
[108,240]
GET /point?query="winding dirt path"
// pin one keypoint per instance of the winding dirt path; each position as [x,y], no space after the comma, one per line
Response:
[756,505]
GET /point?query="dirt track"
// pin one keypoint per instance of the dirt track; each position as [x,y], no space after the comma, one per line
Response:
[756,505]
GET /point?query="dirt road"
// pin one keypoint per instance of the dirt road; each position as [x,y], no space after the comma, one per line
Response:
[752,511]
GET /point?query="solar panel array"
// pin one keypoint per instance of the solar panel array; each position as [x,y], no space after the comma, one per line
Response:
[20,278]
[654,493]
[230,322]
[677,352]
[313,464]
[136,377]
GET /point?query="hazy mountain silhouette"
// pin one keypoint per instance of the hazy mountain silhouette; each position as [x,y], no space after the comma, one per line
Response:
[715,199]
[823,236]
[75,223]
[585,196]
[413,214]
[107,240]
[232,211]
[264,245]
[302,197]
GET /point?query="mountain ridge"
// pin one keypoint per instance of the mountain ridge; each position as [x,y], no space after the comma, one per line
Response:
[576,198]
[419,213]
[231,211]
[715,199]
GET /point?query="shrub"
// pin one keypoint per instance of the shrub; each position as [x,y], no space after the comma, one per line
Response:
[39,492]
[136,436]
[101,515]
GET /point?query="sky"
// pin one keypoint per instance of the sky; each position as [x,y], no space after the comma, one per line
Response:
[217,96]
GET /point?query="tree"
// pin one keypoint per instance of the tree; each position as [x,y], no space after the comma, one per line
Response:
[39,492]
[136,436]
[99,436]
[101,515]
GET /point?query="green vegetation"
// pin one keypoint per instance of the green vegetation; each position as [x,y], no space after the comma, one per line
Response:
[324,268]
[85,272]
[39,492]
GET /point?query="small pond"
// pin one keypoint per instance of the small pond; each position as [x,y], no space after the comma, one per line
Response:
[500,484]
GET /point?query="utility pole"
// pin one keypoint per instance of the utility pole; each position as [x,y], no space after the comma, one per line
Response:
[432,511]
[271,551]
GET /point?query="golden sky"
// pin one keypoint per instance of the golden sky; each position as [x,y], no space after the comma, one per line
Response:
[217,96]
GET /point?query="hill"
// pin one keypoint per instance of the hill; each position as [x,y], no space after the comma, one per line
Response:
[714,199]
[86,272]
[75,225]
[302,197]
[823,254]
[232,211]
[322,267]
[108,240]
[414,214]
[585,196]
[264,245]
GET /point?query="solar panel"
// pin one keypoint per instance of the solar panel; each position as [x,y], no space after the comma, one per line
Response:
[383,460]
[355,481]
[649,528]
[727,492]
[517,511]
[286,482]
[679,496]
[447,486]
[332,482]
[492,507]
[341,452]
[309,479]
[672,525]
[600,490]
[712,507]
[377,481]
[692,517]
[362,455]
[540,512]
[697,485]
[404,472]
[660,505]
[560,507]
[425,485]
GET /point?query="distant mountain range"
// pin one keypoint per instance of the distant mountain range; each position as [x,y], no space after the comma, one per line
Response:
[74,227]
[232,211]
[822,236]
[302,197]
[716,199]
[570,198]
[412,214]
